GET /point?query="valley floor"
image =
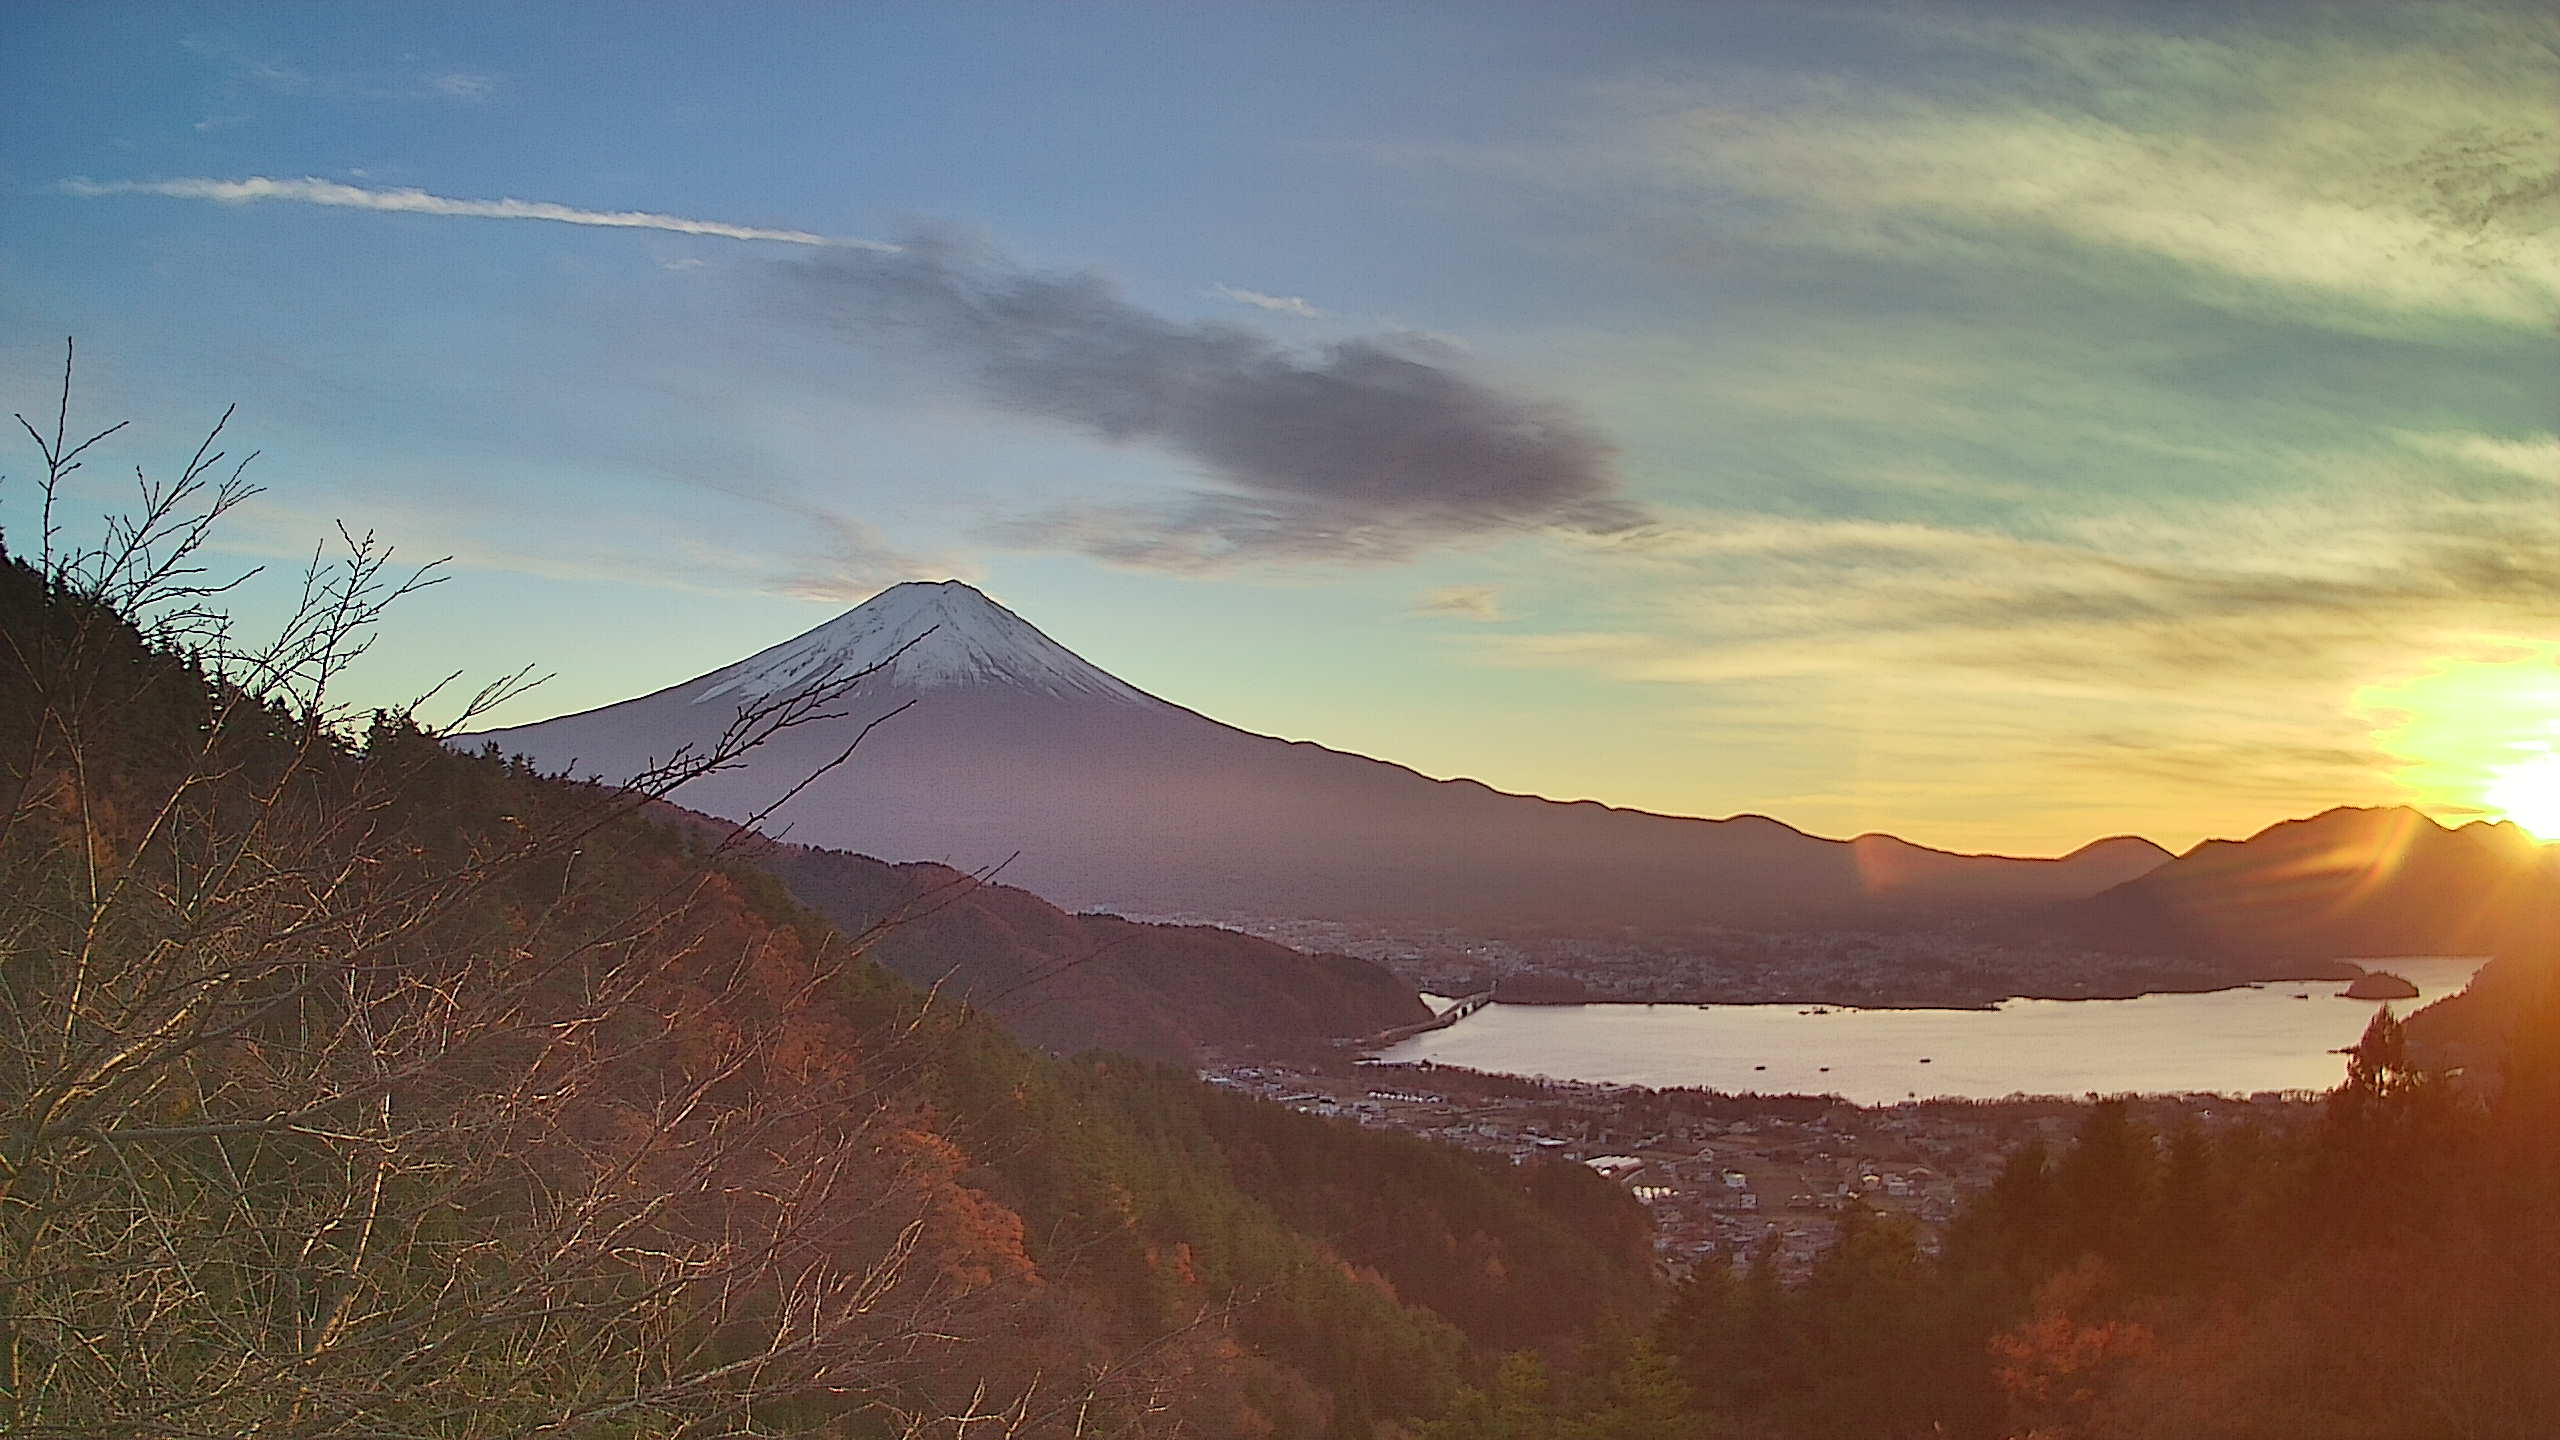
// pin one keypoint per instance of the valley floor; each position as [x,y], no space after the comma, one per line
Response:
[1915,967]
[1721,1174]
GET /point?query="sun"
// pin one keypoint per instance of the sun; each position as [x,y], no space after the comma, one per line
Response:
[2477,734]
[2529,794]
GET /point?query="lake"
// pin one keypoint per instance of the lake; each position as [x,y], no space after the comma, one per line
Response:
[2236,1042]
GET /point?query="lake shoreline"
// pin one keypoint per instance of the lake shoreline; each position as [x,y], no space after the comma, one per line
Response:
[2240,1038]
[2307,973]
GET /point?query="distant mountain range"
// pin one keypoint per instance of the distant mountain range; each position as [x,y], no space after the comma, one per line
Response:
[2345,883]
[1108,797]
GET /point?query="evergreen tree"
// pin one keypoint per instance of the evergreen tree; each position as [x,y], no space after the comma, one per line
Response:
[2183,1232]
[2103,1186]
[1519,1406]
[1638,1397]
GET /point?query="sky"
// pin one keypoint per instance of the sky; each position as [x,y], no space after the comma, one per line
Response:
[2001,425]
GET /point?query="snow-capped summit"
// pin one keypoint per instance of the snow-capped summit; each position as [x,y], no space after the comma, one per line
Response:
[954,636]
[1104,796]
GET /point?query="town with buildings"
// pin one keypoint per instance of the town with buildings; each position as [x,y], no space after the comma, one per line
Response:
[1722,1174]
[1948,966]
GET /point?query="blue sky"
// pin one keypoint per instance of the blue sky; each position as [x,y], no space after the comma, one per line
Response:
[1998,424]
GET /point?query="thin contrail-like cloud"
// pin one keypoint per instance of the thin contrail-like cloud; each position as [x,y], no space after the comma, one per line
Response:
[311,190]
[1297,305]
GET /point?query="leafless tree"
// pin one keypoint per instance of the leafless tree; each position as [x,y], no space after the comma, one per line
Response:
[336,1101]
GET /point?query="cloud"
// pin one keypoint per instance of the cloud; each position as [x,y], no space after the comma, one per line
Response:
[2262,609]
[1363,451]
[2369,159]
[1296,305]
[1461,602]
[2534,459]
[463,85]
[2031,688]
[241,72]
[310,190]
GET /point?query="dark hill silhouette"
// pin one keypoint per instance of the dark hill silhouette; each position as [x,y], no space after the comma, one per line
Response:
[2345,883]
[1116,799]
[1070,983]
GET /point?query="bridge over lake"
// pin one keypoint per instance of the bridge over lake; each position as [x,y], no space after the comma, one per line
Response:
[1460,1009]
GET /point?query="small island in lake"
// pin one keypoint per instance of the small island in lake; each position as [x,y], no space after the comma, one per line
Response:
[2380,985]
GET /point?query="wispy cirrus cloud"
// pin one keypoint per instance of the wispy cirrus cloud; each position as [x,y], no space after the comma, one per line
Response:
[1368,450]
[469,86]
[2242,607]
[1461,602]
[2116,394]
[311,190]
[1297,305]
[2365,158]
[2205,663]
[2537,458]
[241,72]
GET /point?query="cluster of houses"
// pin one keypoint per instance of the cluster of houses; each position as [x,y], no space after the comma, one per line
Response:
[1716,965]
[1712,1186]
[1721,1175]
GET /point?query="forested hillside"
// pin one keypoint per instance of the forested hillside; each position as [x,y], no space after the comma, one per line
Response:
[2383,1271]
[1079,982]
[358,1086]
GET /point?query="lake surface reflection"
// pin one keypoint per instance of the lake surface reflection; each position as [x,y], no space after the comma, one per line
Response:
[2229,1041]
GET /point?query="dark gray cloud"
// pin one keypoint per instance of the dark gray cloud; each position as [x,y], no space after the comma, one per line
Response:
[1365,450]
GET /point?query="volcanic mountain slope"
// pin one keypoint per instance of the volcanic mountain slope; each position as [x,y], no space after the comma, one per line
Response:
[2343,883]
[1106,796]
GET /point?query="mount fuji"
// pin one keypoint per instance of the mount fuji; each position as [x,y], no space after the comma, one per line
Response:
[1107,797]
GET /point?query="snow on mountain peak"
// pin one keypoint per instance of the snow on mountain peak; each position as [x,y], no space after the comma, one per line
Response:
[968,639]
